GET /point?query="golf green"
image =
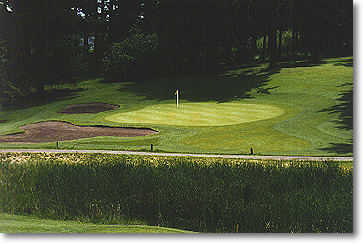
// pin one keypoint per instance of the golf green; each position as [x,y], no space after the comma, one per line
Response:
[198,114]
[295,109]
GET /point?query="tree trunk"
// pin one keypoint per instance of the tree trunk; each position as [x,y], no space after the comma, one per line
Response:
[315,53]
[86,44]
[296,40]
[16,42]
[206,54]
[270,39]
[264,46]
[99,40]
[272,46]
[280,43]
[40,74]
[254,45]
[98,52]
[45,55]
[292,24]
[292,43]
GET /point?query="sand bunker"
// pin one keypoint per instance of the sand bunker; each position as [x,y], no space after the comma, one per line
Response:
[52,131]
[88,108]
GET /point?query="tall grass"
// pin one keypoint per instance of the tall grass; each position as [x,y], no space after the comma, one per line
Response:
[207,195]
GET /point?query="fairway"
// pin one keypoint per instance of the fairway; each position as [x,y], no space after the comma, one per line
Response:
[30,224]
[198,114]
[301,109]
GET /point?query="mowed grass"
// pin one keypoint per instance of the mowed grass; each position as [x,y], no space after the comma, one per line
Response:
[26,224]
[297,109]
[198,114]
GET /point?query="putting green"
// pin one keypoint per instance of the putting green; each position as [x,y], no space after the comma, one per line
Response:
[198,114]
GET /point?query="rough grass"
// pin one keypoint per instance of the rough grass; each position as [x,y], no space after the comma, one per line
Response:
[199,194]
[316,100]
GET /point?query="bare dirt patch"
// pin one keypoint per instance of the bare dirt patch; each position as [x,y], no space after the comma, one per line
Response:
[3,121]
[88,108]
[52,131]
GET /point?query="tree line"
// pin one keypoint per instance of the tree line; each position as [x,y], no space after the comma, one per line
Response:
[41,40]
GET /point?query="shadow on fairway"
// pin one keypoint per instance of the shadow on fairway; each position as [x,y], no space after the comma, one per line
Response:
[346,63]
[300,63]
[345,120]
[344,109]
[45,97]
[340,148]
[223,87]
[232,83]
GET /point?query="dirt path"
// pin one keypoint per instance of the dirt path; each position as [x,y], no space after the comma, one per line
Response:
[306,158]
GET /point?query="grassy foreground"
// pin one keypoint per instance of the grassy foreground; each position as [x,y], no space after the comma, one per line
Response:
[197,194]
[11,224]
[296,109]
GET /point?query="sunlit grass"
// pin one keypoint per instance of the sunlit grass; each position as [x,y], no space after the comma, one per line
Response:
[198,114]
[295,112]
[10,224]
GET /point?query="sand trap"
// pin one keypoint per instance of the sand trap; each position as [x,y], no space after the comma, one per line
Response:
[52,131]
[88,108]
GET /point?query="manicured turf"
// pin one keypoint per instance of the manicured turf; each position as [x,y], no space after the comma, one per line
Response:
[301,109]
[24,224]
[198,114]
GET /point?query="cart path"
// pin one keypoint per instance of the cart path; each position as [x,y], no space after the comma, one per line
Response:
[306,158]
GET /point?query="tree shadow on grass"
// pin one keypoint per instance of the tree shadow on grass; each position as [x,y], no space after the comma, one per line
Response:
[339,148]
[223,87]
[300,63]
[345,62]
[48,96]
[344,109]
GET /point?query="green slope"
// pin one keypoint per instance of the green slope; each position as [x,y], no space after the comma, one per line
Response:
[297,109]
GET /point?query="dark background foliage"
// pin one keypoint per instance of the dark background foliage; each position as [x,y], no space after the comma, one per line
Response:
[51,41]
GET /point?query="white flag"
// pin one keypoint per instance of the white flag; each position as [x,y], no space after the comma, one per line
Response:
[177,97]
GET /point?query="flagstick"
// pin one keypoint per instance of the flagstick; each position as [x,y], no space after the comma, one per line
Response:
[177,98]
